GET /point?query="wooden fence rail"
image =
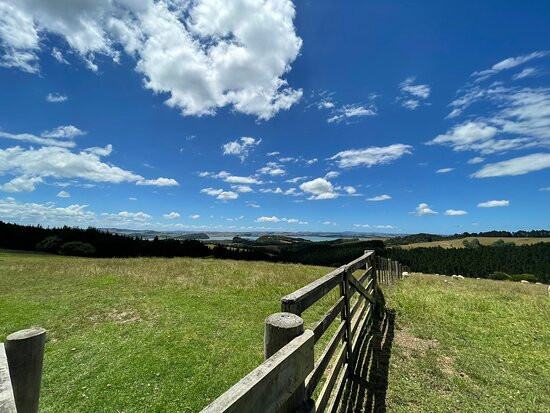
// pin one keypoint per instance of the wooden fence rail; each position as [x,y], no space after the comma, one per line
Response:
[291,388]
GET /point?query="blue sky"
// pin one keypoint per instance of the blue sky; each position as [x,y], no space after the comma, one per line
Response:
[380,116]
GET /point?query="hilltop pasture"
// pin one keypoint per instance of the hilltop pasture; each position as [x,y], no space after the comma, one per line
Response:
[459,242]
[170,335]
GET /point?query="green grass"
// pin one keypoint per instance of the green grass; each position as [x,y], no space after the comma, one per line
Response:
[136,335]
[469,346]
[170,335]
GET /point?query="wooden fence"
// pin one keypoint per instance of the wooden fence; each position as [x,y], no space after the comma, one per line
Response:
[21,358]
[289,380]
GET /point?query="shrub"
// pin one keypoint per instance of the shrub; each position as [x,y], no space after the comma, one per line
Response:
[525,276]
[81,249]
[499,275]
[471,244]
[50,244]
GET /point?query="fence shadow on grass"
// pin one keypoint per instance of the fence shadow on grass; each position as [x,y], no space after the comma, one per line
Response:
[366,390]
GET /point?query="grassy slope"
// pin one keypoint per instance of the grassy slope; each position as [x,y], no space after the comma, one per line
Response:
[457,243]
[172,334]
[135,335]
[469,345]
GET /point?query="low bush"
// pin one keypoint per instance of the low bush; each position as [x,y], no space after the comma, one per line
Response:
[81,249]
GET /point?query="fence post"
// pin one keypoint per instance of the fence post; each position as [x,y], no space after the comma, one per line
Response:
[25,354]
[281,329]
[347,312]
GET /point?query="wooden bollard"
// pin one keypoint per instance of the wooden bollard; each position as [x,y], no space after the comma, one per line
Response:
[25,354]
[281,329]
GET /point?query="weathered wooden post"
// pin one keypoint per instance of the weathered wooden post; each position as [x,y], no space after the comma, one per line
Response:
[25,354]
[281,329]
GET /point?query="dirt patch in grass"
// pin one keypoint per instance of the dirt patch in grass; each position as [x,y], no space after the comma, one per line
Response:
[117,316]
[412,346]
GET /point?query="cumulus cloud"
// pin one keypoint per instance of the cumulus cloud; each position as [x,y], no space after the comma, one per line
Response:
[56,98]
[515,166]
[298,179]
[63,194]
[194,217]
[379,198]
[277,219]
[319,189]
[455,212]
[444,170]
[347,113]
[242,188]
[273,169]
[371,156]
[205,54]
[220,194]
[171,215]
[493,204]
[32,166]
[423,209]
[240,147]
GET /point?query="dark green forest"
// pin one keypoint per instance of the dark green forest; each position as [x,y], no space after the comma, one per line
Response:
[496,261]
[423,237]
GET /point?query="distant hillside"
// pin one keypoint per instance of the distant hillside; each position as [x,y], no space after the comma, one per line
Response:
[425,237]
[459,242]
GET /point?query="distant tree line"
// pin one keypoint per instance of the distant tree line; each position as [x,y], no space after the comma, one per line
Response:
[478,261]
[424,237]
[92,242]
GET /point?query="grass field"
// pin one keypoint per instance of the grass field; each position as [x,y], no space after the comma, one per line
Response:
[143,335]
[469,346]
[457,243]
[170,335]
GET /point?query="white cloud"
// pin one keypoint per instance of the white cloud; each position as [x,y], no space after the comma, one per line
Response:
[350,190]
[423,209]
[171,215]
[508,63]
[493,204]
[476,160]
[242,188]
[319,189]
[273,169]
[297,179]
[329,223]
[63,194]
[332,174]
[412,94]
[63,132]
[57,55]
[252,205]
[444,170]
[194,217]
[220,194]
[455,212]
[240,147]
[34,165]
[373,155]
[547,188]
[384,197]
[516,166]
[129,216]
[348,112]
[61,136]
[273,153]
[232,179]
[527,72]
[56,98]
[48,214]
[205,54]
[158,182]
[277,219]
